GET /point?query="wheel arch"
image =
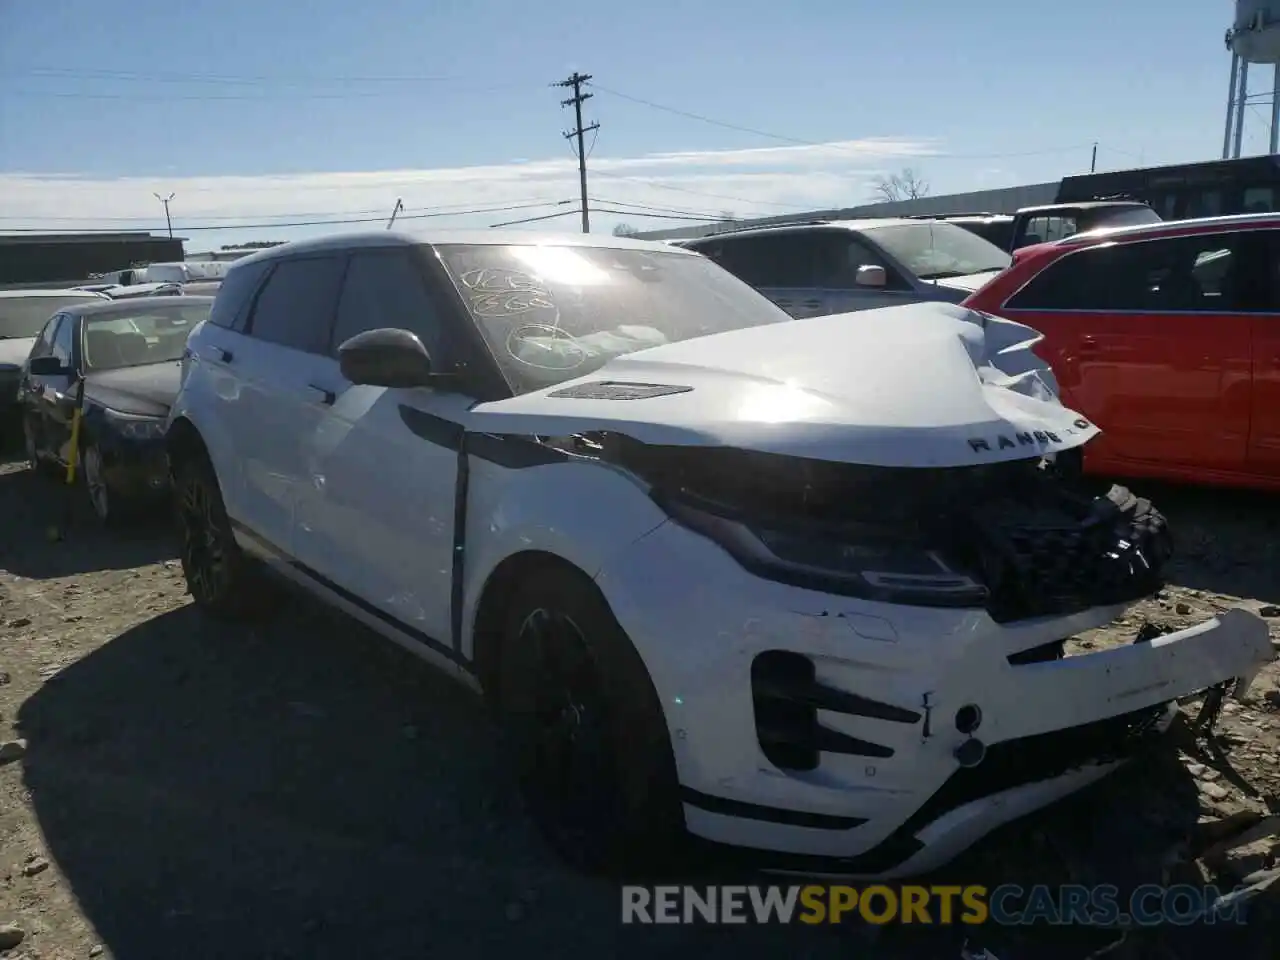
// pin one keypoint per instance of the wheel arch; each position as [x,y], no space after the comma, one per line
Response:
[495,596]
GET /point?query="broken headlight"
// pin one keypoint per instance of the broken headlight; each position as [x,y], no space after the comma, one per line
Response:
[867,562]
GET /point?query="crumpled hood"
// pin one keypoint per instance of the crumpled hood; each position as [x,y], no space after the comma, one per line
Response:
[15,351]
[921,385]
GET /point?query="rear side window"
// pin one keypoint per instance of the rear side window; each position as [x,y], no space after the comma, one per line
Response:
[296,307]
[231,303]
[1197,274]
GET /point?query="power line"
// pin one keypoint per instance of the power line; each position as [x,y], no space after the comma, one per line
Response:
[655,208]
[575,82]
[442,210]
[697,116]
[699,193]
[240,79]
[189,228]
[818,143]
[264,96]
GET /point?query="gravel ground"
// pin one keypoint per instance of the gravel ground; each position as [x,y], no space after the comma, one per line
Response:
[304,789]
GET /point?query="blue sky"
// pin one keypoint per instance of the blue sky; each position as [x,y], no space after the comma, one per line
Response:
[253,111]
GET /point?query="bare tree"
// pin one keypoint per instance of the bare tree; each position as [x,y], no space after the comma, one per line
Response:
[625,230]
[906,185]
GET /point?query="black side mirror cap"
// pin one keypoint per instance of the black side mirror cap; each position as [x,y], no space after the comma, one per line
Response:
[47,367]
[386,357]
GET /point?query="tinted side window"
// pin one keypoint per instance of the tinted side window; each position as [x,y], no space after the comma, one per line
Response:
[296,307]
[387,289]
[231,301]
[44,343]
[62,341]
[1199,274]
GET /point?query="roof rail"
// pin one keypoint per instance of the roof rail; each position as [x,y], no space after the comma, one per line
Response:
[948,216]
[761,226]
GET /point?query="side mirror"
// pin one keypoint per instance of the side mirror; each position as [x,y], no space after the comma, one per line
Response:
[47,367]
[385,358]
[869,275]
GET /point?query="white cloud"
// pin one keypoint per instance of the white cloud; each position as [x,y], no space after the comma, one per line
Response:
[751,182]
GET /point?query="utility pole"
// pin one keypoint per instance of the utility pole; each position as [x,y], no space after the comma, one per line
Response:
[1093,164]
[165,201]
[575,82]
[398,207]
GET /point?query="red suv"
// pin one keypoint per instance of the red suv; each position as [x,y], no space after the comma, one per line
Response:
[1167,335]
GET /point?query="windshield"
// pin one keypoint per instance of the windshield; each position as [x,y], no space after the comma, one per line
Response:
[24,317]
[552,313]
[1119,217]
[151,334]
[935,249]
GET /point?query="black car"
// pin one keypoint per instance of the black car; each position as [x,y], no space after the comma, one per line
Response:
[124,359]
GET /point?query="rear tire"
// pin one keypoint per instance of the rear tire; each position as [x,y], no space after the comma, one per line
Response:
[222,579]
[586,730]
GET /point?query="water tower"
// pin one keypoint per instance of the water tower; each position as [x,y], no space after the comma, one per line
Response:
[1253,38]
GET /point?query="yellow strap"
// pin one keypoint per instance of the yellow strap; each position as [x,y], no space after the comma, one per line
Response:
[74,455]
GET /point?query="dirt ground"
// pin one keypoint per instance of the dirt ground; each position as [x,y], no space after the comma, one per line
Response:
[303,789]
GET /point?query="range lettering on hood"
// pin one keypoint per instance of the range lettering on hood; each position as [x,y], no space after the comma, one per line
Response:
[1026,438]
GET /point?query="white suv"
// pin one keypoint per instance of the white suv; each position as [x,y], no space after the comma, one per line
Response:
[800,586]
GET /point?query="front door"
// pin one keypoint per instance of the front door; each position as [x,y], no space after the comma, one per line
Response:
[375,514]
[1264,435]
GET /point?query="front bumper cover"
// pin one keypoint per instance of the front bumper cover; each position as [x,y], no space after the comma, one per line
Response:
[895,679]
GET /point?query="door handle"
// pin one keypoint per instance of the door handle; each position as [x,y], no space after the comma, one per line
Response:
[1088,344]
[323,394]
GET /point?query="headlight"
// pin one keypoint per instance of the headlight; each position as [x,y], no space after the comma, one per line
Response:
[136,427]
[871,563]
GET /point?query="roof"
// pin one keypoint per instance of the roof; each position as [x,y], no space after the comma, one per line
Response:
[397,238]
[87,294]
[132,304]
[1168,226]
[801,226]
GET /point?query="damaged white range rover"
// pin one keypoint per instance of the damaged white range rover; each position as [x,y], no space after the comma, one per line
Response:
[796,586]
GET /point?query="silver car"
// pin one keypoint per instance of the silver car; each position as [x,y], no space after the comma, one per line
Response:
[838,266]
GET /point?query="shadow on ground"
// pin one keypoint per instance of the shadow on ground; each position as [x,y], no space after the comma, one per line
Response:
[34,504]
[303,789]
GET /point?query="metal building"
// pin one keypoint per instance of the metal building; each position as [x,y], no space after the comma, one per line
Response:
[53,259]
[1006,200]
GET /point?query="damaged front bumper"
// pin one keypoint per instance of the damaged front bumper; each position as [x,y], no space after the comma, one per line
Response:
[850,737]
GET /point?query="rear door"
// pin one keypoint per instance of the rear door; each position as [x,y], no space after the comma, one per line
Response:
[36,393]
[1147,339]
[284,389]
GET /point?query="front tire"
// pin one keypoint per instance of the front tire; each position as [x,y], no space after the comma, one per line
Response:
[588,737]
[108,506]
[222,580]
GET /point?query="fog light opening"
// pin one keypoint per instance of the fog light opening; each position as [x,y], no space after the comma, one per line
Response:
[968,718]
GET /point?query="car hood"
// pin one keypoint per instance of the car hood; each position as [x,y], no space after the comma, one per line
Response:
[148,390]
[922,385]
[970,283]
[15,351]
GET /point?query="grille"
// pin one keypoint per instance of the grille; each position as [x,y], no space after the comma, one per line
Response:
[1055,563]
